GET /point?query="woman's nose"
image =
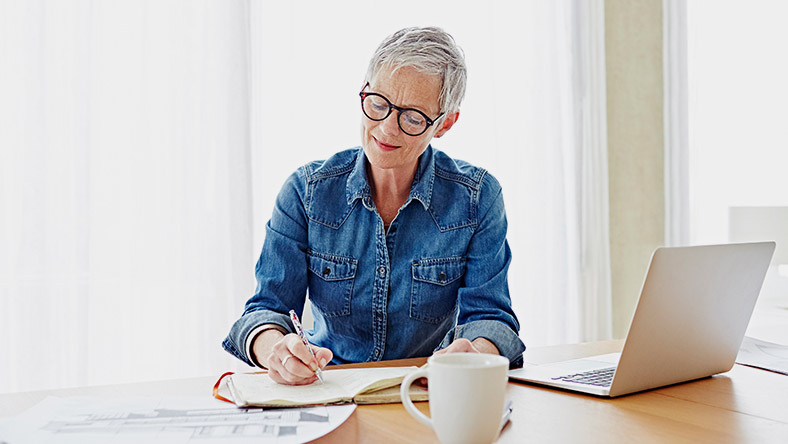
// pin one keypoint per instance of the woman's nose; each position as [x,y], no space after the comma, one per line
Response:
[389,125]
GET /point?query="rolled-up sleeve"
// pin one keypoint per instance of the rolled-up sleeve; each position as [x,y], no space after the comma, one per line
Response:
[280,270]
[485,307]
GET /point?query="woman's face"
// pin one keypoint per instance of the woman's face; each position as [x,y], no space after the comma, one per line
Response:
[385,145]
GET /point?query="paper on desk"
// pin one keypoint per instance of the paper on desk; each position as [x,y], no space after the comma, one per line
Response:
[764,355]
[166,420]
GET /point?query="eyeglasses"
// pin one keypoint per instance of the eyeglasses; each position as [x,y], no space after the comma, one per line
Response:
[411,121]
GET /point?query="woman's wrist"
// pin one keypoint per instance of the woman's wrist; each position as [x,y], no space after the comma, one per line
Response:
[484,345]
[262,345]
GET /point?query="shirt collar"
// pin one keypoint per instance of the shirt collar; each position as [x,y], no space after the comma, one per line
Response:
[421,189]
[357,186]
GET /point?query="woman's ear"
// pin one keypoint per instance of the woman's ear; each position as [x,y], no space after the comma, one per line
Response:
[448,122]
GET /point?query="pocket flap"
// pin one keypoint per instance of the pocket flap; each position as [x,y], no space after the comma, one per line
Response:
[331,267]
[440,271]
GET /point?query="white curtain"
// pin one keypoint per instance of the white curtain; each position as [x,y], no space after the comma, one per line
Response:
[676,121]
[125,236]
[534,116]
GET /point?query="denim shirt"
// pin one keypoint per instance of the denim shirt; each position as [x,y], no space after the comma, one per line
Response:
[437,274]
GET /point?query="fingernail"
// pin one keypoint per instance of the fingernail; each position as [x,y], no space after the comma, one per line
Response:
[322,363]
[313,366]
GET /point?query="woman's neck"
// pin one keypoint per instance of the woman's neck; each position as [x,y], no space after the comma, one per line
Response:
[390,189]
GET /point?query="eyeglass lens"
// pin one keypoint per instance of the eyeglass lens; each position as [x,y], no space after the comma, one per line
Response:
[411,121]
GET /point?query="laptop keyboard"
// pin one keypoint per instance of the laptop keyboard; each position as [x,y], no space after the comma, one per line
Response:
[602,377]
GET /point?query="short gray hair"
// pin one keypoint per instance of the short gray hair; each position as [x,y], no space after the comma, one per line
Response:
[430,51]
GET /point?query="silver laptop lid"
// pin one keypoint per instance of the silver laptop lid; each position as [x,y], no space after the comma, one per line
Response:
[693,310]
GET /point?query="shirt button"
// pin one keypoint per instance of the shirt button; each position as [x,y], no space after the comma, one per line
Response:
[382,271]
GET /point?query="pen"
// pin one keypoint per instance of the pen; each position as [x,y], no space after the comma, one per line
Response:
[507,412]
[300,331]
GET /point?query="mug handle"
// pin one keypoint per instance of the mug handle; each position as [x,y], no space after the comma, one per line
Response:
[404,393]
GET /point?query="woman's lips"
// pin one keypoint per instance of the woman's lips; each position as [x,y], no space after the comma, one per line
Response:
[385,146]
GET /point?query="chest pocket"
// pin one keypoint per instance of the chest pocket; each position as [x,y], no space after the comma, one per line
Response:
[331,279]
[434,288]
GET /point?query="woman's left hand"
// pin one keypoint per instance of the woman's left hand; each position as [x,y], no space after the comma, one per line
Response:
[462,345]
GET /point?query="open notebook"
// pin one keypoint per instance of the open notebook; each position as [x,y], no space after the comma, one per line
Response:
[359,385]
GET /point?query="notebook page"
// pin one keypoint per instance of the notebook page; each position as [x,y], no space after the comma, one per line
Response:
[339,386]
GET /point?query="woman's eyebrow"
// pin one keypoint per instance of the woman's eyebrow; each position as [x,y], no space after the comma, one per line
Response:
[417,108]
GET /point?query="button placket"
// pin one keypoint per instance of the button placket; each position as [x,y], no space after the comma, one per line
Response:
[380,293]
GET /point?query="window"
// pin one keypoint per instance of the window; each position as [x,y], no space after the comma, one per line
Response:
[738,111]
[738,142]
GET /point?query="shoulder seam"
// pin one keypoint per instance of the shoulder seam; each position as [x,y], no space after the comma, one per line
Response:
[474,181]
[338,170]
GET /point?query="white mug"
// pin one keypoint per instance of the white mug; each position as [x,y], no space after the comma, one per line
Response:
[467,393]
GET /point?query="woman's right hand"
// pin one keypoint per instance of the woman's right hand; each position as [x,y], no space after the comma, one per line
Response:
[287,358]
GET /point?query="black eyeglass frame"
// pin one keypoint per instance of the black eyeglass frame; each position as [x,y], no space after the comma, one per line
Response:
[400,110]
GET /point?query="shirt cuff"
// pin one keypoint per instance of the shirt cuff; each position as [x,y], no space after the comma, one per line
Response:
[237,341]
[504,338]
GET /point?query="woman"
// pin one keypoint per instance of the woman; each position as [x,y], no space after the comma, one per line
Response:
[402,249]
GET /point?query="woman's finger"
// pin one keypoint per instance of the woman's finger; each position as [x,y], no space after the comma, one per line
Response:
[296,348]
[323,355]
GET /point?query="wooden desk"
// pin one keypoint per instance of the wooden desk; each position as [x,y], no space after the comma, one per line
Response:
[743,405]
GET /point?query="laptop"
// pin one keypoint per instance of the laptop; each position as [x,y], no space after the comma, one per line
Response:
[689,323]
